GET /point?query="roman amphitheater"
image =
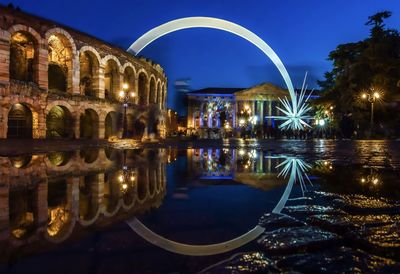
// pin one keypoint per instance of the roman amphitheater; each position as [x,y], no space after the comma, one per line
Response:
[56,82]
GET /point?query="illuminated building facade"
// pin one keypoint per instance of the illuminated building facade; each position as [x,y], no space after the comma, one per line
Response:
[230,110]
[56,82]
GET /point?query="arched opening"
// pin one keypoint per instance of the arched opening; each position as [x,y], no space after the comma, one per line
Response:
[22,215]
[142,86]
[89,197]
[130,126]
[142,183]
[112,191]
[152,91]
[59,158]
[111,79]
[129,78]
[60,63]
[19,122]
[20,161]
[59,211]
[89,155]
[111,125]
[59,123]
[23,60]
[89,74]
[139,127]
[89,124]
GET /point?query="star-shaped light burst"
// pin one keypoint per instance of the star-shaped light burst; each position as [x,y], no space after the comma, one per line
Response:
[295,110]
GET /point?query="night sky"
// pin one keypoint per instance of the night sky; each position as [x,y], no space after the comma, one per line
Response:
[302,33]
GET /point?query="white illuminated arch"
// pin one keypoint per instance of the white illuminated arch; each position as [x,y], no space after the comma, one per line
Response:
[292,166]
[215,23]
[294,116]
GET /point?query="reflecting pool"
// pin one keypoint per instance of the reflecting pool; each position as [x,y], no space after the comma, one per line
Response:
[203,209]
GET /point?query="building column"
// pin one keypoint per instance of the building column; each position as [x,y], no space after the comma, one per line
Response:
[100,93]
[234,111]
[102,128]
[42,76]
[210,120]
[77,125]
[269,112]
[76,74]
[73,197]
[4,56]
[41,206]
[4,212]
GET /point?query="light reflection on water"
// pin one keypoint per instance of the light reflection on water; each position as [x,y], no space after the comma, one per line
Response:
[195,196]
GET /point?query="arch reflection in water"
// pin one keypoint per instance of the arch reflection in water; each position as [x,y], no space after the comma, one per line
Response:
[46,200]
[230,163]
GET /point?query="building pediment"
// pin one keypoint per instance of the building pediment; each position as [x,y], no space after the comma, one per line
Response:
[264,91]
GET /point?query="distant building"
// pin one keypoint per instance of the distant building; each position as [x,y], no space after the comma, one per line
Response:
[230,111]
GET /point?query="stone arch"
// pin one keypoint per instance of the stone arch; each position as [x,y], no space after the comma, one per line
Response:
[20,121]
[139,127]
[112,193]
[143,85]
[89,198]
[112,72]
[60,210]
[22,221]
[111,124]
[59,122]
[62,60]
[89,124]
[24,53]
[130,129]
[129,76]
[89,68]
[152,90]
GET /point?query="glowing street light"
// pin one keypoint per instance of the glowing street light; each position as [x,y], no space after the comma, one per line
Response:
[125,96]
[372,95]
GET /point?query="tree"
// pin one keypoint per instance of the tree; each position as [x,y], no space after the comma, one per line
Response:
[374,61]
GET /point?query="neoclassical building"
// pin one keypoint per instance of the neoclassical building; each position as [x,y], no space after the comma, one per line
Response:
[229,110]
[56,82]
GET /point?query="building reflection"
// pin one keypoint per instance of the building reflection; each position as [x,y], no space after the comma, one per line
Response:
[53,196]
[252,167]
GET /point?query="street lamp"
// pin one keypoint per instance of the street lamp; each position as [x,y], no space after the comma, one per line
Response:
[125,96]
[372,95]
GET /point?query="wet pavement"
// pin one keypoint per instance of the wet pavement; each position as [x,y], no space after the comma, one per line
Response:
[316,206]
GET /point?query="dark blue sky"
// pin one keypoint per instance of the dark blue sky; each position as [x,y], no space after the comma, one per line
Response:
[302,32]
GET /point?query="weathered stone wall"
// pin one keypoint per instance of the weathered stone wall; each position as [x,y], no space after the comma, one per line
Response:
[65,51]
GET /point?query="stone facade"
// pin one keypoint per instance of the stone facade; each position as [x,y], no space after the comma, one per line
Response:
[49,198]
[48,71]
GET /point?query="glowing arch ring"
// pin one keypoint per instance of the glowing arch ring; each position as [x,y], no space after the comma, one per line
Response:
[213,23]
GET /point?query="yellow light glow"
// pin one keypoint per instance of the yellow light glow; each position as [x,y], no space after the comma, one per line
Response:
[125,86]
[133,94]
[377,95]
[121,178]
[132,178]
[364,95]
[375,181]
[124,186]
[362,180]
[331,107]
[122,93]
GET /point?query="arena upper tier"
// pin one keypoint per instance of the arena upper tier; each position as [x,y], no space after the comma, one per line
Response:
[56,82]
